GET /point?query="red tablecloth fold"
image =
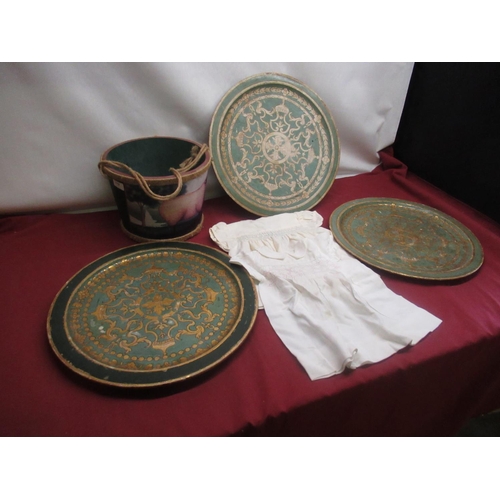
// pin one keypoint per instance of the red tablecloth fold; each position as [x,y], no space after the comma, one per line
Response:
[428,389]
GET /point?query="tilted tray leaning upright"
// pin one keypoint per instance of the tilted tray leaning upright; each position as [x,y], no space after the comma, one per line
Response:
[274,144]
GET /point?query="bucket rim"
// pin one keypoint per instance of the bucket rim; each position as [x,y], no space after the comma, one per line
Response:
[163,179]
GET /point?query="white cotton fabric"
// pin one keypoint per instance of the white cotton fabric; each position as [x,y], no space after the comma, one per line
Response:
[331,311]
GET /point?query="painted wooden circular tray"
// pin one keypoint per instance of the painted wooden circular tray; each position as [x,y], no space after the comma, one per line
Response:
[274,144]
[152,314]
[406,238]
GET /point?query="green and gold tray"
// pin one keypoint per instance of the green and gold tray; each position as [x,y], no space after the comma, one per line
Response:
[274,144]
[406,238]
[152,314]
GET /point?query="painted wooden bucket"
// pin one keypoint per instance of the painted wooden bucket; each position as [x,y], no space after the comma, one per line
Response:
[159,186]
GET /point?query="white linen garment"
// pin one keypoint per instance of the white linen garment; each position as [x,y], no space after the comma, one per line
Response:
[331,311]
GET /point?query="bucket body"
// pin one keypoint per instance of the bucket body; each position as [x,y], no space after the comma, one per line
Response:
[146,218]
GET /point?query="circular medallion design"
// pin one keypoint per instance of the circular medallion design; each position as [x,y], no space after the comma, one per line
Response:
[277,148]
[152,314]
[406,238]
[274,144]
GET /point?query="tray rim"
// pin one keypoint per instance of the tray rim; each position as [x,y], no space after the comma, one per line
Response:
[242,276]
[303,89]
[471,268]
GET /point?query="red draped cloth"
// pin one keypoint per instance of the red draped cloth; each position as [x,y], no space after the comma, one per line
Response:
[429,389]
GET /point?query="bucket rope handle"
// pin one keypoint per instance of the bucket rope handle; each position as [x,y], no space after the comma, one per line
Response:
[183,167]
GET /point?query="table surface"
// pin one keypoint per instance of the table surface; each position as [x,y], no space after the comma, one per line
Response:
[431,388]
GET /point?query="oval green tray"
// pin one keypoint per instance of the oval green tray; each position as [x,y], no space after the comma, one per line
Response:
[274,145]
[152,314]
[406,238]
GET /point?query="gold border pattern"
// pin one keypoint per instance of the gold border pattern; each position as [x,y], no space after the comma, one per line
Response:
[237,302]
[406,238]
[274,144]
